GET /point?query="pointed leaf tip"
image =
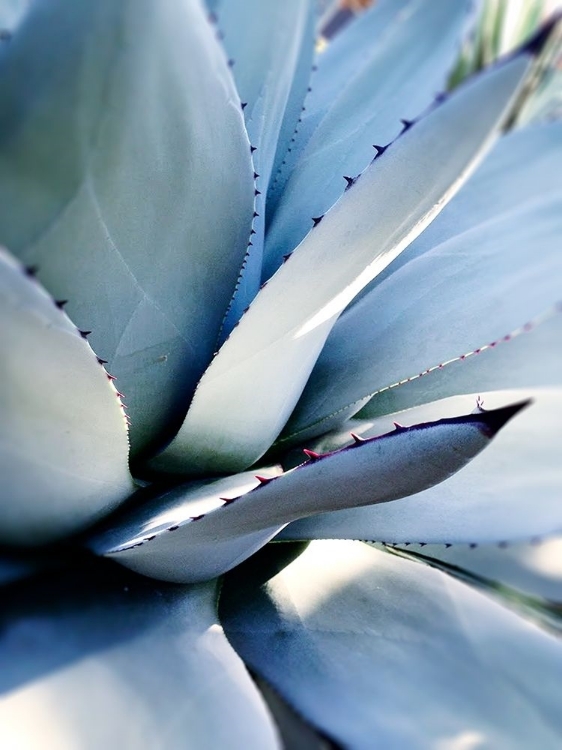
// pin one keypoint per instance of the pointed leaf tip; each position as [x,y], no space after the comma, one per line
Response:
[537,43]
[493,421]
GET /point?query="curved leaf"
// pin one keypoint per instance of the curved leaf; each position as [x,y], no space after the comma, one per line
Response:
[125,176]
[529,568]
[108,660]
[270,45]
[364,644]
[260,371]
[471,291]
[531,356]
[401,58]
[487,501]
[63,434]
[199,531]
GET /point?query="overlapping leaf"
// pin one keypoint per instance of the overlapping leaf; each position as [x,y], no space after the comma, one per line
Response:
[487,501]
[483,272]
[365,645]
[200,530]
[103,659]
[388,64]
[270,46]
[63,436]
[125,175]
[252,385]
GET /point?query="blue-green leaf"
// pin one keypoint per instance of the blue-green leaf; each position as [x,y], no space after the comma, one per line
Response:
[388,64]
[198,531]
[270,45]
[248,392]
[494,268]
[102,659]
[366,645]
[530,356]
[530,568]
[487,501]
[125,175]
[63,434]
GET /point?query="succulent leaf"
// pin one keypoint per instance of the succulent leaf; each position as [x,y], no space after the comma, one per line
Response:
[248,392]
[485,279]
[217,525]
[529,568]
[63,434]
[271,46]
[487,501]
[401,56]
[125,175]
[364,644]
[529,356]
[108,660]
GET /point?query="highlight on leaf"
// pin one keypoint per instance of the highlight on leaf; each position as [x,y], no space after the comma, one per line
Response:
[317,287]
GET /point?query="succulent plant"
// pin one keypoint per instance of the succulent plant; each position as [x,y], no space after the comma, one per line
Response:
[329,319]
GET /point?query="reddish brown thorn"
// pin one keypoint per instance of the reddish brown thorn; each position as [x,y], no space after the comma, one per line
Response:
[172,528]
[197,518]
[358,440]
[101,361]
[398,426]
[60,303]
[264,480]
[84,334]
[311,455]
[316,220]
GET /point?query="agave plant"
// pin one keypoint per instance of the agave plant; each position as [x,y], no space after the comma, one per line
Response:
[255,246]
